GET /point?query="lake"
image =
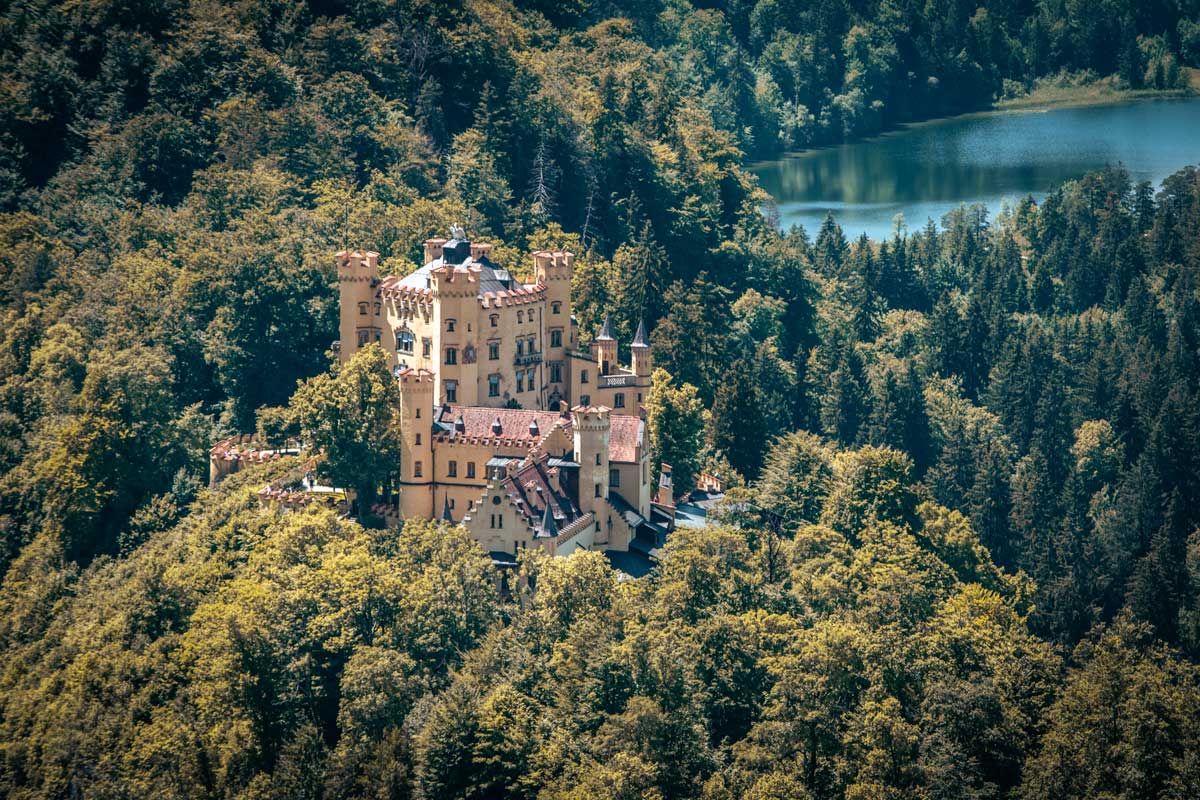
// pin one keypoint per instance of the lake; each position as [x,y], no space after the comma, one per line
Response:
[928,169]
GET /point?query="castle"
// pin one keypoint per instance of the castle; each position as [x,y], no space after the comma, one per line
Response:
[488,339]
[508,427]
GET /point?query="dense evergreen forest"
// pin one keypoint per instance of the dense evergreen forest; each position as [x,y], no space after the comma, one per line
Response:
[961,557]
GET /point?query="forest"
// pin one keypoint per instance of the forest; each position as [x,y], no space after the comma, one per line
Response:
[960,554]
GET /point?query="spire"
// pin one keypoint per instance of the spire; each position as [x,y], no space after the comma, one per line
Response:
[549,527]
[605,331]
[639,338]
[446,510]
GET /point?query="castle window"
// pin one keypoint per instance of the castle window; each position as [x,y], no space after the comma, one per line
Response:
[495,320]
[416,469]
[583,376]
[451,355]
[452,469]
[614,479]
[585,399]
[405,341]
[426,346]
[470,469]
[377,309]
[493,351]
[451,502]
[419,442]
[597,490]
[597,457]
[493,385]
[532,378]
[378,337]
[363,338]
[555,372]
[520,347]
[418,413]
[450,326]
[451,392]
[619,400]
[362,309]
[520,316]
[556,307]
[520,381]
[556,338]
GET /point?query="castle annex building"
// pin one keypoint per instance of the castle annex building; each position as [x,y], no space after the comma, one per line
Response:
[508,427]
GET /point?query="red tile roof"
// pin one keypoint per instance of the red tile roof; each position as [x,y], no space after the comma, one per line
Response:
[625,435]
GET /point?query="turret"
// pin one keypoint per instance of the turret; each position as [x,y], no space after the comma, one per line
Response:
[640,350]
[433,249]
[604,347]
[591,427]
[553,269]
[360,310]
[416,449]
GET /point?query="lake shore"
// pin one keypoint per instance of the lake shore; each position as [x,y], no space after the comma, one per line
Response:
[1103,91]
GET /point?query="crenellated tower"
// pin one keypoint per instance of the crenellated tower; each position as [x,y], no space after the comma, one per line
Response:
[592,427]
[416,446]
[553,269]
[360,310]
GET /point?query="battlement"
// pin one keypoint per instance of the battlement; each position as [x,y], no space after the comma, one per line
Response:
[591,417]
[357,259]
[416,380]
[554,263]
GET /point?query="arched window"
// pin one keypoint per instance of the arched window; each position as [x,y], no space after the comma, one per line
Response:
[405,341]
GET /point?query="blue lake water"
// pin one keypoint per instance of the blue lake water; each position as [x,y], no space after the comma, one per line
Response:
[927,170]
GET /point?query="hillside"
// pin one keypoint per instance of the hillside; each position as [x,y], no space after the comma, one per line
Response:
[960,555]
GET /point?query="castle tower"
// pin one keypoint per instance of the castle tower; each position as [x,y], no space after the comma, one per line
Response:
[553,269]
[455,311]
[604,347]
[640,349]
[591,426]
[360,310]
[416,448]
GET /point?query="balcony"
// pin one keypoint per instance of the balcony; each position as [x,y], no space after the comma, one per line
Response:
[527,358]
[615,381]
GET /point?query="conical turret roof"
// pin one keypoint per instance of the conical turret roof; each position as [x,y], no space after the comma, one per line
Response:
[549,524]
[639,338]
[446,510]
[605,330]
